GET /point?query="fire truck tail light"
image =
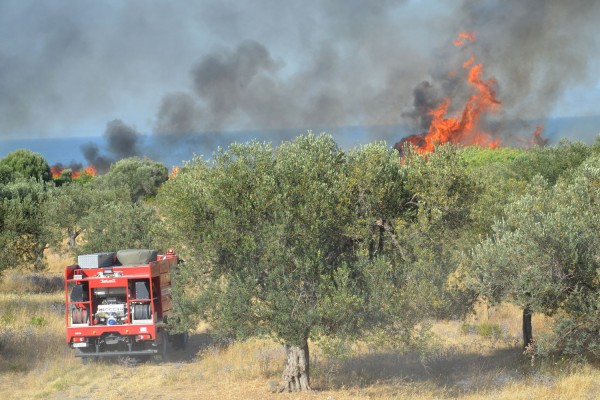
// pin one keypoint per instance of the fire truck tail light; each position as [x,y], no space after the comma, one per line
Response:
[143,337]
[78,339]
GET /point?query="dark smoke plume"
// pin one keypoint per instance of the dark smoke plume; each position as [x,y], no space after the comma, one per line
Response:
[73,166]
[92,155]
[122,141]
[196,68]
[538,50]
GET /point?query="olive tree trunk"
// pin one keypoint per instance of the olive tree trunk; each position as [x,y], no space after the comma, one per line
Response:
[296,374]
[38,264]
[527,328]
[72,234]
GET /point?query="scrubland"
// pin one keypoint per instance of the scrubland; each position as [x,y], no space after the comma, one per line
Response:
[479,358]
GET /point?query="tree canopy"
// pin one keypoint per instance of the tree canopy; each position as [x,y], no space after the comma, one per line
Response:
[24,164]
[544,255]
[273,239]
[141,176]
[23,236]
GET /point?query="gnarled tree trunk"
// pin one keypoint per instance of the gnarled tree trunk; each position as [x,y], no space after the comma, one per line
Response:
[72,234]
[296,375]
[38,264]
[527,329]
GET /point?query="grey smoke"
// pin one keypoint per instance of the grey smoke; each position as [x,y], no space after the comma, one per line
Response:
[187,70]
[426,98]
[537,50]
[122,141]
[73,166]
[92,156]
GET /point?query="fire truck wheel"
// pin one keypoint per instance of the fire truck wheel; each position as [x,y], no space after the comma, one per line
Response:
[180,341]
[161,346]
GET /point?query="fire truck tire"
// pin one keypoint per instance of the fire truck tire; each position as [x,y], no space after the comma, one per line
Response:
[180,341]
[161,345]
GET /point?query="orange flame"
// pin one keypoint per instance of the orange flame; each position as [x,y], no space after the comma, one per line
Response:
[90,170]
[470,61]
[464,127]
[463,37]
[537,136]
[56,171]
[174,171]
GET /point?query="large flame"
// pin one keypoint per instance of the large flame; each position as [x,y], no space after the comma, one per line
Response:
[464,127]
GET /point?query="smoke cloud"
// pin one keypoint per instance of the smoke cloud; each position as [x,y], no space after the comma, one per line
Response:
[186,71]
[122,141]
[537,50]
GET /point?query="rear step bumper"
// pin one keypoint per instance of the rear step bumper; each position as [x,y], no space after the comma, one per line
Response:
[149,352]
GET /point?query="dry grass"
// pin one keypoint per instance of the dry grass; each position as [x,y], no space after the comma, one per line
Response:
[56,262]
[467,362]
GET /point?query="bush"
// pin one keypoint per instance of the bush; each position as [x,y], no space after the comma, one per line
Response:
[484,329]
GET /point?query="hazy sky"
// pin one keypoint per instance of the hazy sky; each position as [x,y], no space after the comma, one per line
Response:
[71,68]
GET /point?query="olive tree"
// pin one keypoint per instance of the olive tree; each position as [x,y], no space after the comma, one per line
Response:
[425,240]
[544,254]
[142,176]
[118,225]
[276,242]
[69,205]
[25,164]
[23,237]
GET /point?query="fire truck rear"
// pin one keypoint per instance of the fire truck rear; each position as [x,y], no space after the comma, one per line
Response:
[118,304]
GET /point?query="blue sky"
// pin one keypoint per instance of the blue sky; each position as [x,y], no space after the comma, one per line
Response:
[68,68]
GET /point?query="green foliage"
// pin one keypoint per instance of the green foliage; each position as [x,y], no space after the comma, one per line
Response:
[24,164]
[118,225]
[141,176]
[484,329]
[6,174]
[435,234]
[550,162]
[70,204]
[272,240]
[37,321]
[544,254]
[23,237]
[477,157]
[377,195]
[66,176]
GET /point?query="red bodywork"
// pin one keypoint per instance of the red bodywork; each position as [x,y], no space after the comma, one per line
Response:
[96,333]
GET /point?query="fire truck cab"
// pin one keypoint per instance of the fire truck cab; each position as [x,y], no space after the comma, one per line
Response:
[118,304]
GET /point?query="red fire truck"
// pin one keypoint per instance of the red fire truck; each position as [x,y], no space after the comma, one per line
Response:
[118,304]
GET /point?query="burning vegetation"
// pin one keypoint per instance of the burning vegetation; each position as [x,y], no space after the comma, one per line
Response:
[75,170]
[464,126]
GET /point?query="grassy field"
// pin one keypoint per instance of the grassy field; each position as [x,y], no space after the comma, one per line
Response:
[476,359]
